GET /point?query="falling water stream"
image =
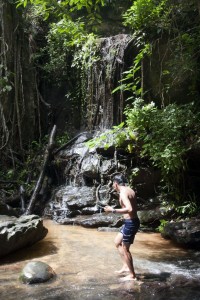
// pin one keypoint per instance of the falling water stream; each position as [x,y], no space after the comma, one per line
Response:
[85,261]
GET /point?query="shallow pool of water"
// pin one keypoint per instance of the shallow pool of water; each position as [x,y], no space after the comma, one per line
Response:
[85,261]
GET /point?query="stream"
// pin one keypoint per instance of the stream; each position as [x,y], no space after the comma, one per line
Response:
[85,261]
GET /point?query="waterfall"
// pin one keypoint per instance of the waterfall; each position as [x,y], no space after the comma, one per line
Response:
[104,108]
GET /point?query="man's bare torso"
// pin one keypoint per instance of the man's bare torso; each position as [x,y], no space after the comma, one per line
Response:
[130,194]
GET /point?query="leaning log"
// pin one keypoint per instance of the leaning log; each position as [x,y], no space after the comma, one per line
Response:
[70,142]
[39,183]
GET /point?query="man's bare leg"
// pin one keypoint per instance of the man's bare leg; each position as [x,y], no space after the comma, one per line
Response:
[129,262]
[118,244]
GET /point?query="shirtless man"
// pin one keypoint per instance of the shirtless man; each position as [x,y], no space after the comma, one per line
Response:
[125,238]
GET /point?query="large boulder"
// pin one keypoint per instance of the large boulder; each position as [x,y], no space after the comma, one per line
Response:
[186,232]
[70,201]
[78,197]
[36,272]
[16,233]
[90,166]
[151,216]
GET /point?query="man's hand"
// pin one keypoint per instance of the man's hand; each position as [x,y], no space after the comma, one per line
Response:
[108,208]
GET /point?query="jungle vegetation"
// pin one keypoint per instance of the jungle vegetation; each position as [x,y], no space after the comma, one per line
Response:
[63,36]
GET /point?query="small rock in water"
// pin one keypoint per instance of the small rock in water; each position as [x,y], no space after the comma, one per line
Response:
[36,272]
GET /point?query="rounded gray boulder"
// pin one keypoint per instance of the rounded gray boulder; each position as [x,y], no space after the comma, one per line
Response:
[36,272]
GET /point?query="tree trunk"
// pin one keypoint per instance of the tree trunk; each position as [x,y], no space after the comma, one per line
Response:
[198,3]
[19,100]
[38,186]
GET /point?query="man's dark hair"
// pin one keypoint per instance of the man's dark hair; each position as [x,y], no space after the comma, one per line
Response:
[120,179]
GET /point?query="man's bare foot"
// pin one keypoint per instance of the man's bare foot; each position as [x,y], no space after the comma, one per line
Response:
[122,270]
[128,278]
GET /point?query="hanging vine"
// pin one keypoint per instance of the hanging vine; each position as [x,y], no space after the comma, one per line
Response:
[19,104]
[5,87]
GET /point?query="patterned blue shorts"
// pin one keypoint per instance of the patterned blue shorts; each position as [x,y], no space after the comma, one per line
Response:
[129,230]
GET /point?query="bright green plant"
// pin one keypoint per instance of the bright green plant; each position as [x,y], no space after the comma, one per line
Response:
[66,8]
[174,24]
[166,136]
[163,223]
[116,137]
[147,14]
[132,78]
[72,52]
[64,38]
[189,207]
[86,54]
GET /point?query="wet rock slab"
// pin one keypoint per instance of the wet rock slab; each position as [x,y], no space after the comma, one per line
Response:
[94,221]
[16,233]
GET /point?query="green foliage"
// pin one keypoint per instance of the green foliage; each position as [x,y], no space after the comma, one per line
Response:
[166,134]
[147,14]
[9,174]
[116,137]
[72,52]
[132,78]
[183,65]
[175,23]
[69,32]
[155,17]
[23,170]
[63,39]
[189,206]
[187,209]
[66,9]
[5,80]
[62,139]
[86,54]
[72,4]
[163,223]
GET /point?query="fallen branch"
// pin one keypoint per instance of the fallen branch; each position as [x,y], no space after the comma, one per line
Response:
[70,142]
[38,186]
[9,182]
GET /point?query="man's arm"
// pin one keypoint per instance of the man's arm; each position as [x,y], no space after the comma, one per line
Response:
[126,203]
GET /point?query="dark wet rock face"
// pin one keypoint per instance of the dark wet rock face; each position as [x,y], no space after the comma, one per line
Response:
[90,166]
[16,233]
[150,218]
[88,173]
[71,201]
[185,232]
[77,197]
[36,272]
